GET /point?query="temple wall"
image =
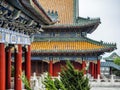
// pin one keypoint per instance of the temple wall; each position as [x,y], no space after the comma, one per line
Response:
[40,66]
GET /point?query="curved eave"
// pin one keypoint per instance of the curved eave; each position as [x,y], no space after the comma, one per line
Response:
[94,25]
[88,21]
[101,51]
[112,57]
[94,28]
[32,9]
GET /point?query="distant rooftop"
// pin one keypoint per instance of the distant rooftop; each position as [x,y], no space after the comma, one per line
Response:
[112,57]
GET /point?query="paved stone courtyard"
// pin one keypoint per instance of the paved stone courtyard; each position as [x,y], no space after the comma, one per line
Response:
[105,88]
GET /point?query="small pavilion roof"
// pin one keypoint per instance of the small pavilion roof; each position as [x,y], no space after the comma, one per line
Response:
[33,9]
[110,64]
[83,45]
[112,57]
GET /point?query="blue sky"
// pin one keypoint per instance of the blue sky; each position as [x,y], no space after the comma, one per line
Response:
[109,13]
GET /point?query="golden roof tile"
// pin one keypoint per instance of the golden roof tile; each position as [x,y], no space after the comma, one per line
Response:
[55,45]
[63,7]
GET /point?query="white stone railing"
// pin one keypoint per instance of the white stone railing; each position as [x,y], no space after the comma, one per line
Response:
[112,82]
[36,82]
[105,84]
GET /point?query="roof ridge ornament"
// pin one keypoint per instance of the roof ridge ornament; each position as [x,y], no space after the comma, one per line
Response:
[53,15]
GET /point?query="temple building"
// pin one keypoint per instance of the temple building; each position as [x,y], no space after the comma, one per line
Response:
[59,34]
[108,65]
[67,40]
[19,20]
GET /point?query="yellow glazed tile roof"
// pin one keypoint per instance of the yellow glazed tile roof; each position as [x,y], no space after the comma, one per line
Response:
[54,45]
[63,7]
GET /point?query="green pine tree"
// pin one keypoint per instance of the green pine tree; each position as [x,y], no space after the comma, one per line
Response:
[71,79]
[49,83]
[74,79]
[25,81]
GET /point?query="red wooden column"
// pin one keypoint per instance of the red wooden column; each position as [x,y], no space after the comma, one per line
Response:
[98,67]
[2,66]
[8,68]
[92,69]
[28,62]
[83,67]
[95,71]
[18,67]
[51,67]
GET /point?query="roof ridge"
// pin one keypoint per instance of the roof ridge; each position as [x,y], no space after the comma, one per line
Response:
[76,39]
[88,18]
[59,39]
[101,42]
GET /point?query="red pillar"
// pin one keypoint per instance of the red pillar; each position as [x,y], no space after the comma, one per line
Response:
[92,70]
[51,67]
[95,71]
[83,67]
[98,67]
[8,68]
[18,68]
[28,62]
[2,66]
